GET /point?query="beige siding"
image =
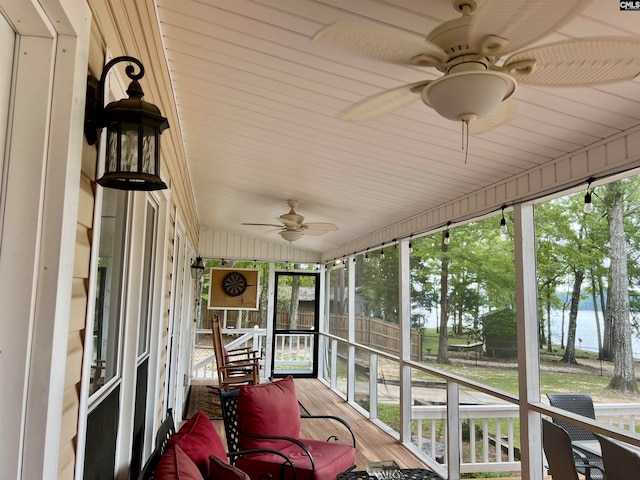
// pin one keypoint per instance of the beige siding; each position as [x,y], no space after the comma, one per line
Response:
[77,321]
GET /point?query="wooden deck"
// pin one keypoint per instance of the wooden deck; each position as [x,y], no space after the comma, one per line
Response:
[372,442]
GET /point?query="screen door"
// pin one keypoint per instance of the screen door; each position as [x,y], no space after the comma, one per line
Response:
[296,322]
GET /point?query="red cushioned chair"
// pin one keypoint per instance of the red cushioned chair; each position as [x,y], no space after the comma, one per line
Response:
[268,416]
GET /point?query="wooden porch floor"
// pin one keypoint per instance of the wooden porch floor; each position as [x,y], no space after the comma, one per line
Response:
[372,443]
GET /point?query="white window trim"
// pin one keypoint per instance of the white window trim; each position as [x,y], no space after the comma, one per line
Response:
[46,121]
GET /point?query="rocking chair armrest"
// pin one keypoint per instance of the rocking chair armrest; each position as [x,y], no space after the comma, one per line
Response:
[234,455]
[239,359]
[337,419]
[246,351]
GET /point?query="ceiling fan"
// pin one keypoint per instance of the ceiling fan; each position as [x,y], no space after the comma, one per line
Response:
[292,225]
[478,82]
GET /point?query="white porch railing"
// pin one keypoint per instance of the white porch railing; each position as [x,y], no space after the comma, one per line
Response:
[493,422]
[430,418]
[293,353]
[204,365]
[489,446]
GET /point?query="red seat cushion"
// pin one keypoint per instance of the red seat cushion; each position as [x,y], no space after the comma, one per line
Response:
[199,439]
[268,409]
[221,470]
[329,458]
[175,464]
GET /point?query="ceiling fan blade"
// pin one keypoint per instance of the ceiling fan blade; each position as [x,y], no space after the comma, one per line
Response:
[505,112]
[384,102]
[580,62]
[317,228]
[519,22]
[263,225]
[380,43]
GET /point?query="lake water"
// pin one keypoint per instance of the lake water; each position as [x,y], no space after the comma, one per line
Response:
[585,330]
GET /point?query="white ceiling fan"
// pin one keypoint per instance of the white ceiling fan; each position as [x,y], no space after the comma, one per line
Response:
[292,225]
[478,81]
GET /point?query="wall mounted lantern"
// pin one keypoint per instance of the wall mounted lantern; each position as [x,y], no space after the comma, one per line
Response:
[132,160]
[197,268]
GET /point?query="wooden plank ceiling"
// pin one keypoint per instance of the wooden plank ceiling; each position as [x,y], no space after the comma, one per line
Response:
[257,102]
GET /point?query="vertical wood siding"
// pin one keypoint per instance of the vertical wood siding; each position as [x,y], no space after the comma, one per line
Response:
[217,244]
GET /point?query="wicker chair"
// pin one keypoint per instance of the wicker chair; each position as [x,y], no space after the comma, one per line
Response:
[581,404]
[620,463]
[564,460]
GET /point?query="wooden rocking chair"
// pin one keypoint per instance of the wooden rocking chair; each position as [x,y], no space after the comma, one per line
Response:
[237,367]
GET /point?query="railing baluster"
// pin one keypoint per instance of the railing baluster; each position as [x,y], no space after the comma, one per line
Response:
[472,440]
[485,439]
[511,439]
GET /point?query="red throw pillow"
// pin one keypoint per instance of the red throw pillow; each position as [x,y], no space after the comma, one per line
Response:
[199,439]
[220,470]
[268,409]
[175,464]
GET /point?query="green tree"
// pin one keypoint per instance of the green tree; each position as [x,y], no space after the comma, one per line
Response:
[380,284]
[618,298]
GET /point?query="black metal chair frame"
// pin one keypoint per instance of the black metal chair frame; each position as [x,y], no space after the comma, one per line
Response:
[229,405]
[165,432]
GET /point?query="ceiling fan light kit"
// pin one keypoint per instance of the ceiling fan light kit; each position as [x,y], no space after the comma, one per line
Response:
[468,95]
[290,235]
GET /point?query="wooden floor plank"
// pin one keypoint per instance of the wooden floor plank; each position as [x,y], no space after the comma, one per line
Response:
[373,444]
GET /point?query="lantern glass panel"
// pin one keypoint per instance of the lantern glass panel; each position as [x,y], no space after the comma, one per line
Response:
[129,139]
[149,150]
[112,150]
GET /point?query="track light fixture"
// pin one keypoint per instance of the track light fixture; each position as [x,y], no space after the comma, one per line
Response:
[132,160]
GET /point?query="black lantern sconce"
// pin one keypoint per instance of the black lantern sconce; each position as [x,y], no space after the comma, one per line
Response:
[197,268]
[132,160]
